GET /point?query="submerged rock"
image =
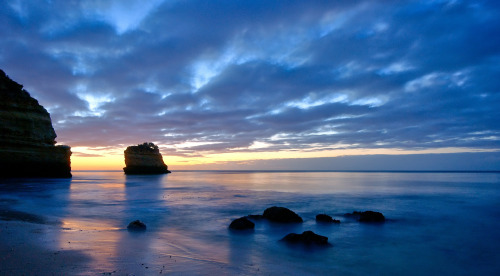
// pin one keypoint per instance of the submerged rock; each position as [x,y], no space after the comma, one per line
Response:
[241,224]
[136,225]
[281,214]
[307,238]
[326,218]
[27,138]
[367,216]
[144,159]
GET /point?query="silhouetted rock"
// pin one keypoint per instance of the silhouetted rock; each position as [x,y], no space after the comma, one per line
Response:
[136,225]
[367,216]
[371,216]
[144,159]
[307,238]
[326,219]
[281,214]
[241,224]
[27,138]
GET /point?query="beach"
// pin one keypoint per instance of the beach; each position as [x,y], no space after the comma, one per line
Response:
[436,223]
[23,252]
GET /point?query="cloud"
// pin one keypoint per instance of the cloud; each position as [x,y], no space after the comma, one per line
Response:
[81,154]
[220,76]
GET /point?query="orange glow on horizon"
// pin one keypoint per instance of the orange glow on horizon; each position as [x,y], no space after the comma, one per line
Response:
[116,161]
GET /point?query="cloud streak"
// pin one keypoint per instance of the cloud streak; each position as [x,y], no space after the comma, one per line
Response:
[202,77]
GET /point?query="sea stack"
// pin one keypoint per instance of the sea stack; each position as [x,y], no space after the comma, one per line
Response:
[27,138]
[144,158]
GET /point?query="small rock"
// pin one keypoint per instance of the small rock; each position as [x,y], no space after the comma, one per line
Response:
[367,216]
[371,216]
[307,237]
[241,224]
[281,214]
[136,225]
[326,218]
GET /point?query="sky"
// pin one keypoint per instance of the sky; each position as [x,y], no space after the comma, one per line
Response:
[255,84]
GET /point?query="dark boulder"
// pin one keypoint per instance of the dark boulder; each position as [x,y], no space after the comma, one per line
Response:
[281,214]
[326,219]
[366,216]
[307,238]
[371,216]
[241,224]
[136,225]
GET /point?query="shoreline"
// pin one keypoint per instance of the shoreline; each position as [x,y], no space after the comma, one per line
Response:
[79,227]
[24,251]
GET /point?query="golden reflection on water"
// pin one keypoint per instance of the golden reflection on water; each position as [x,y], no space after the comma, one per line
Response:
[97,191]
[72,224]
[96,236]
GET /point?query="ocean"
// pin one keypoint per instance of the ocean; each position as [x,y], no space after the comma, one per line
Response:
[438,223]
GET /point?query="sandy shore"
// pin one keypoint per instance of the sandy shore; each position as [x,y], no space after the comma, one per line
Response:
[24,251]
[32,245]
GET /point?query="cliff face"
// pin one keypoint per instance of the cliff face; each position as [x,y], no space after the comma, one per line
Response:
[27,138]
[144,159]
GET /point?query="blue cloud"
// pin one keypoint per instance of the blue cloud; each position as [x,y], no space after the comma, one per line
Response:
[352,74]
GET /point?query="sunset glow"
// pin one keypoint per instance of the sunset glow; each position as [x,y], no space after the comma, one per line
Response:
[115,161]
[217,84]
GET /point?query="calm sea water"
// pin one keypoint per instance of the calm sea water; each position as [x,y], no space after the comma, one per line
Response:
[438,223]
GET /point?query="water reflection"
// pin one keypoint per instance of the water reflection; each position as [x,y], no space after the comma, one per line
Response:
[146,200]
[43,199]
[187,215]
[92,222]
[32,185]
[101,204]
[142,198]
[349,183]
[242,249]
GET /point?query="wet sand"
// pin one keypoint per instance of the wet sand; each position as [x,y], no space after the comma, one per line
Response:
[24,251]
[30,244]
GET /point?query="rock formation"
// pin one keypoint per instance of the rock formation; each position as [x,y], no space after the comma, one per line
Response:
[366,216]
[144,159]
[306,238]
[242,224]
[281,214]
[371,216]
[136,226]
[27,138]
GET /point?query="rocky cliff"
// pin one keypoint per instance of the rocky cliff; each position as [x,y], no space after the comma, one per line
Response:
[27,138]
[144,159]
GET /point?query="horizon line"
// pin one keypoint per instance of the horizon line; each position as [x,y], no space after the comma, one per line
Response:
[359,171]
